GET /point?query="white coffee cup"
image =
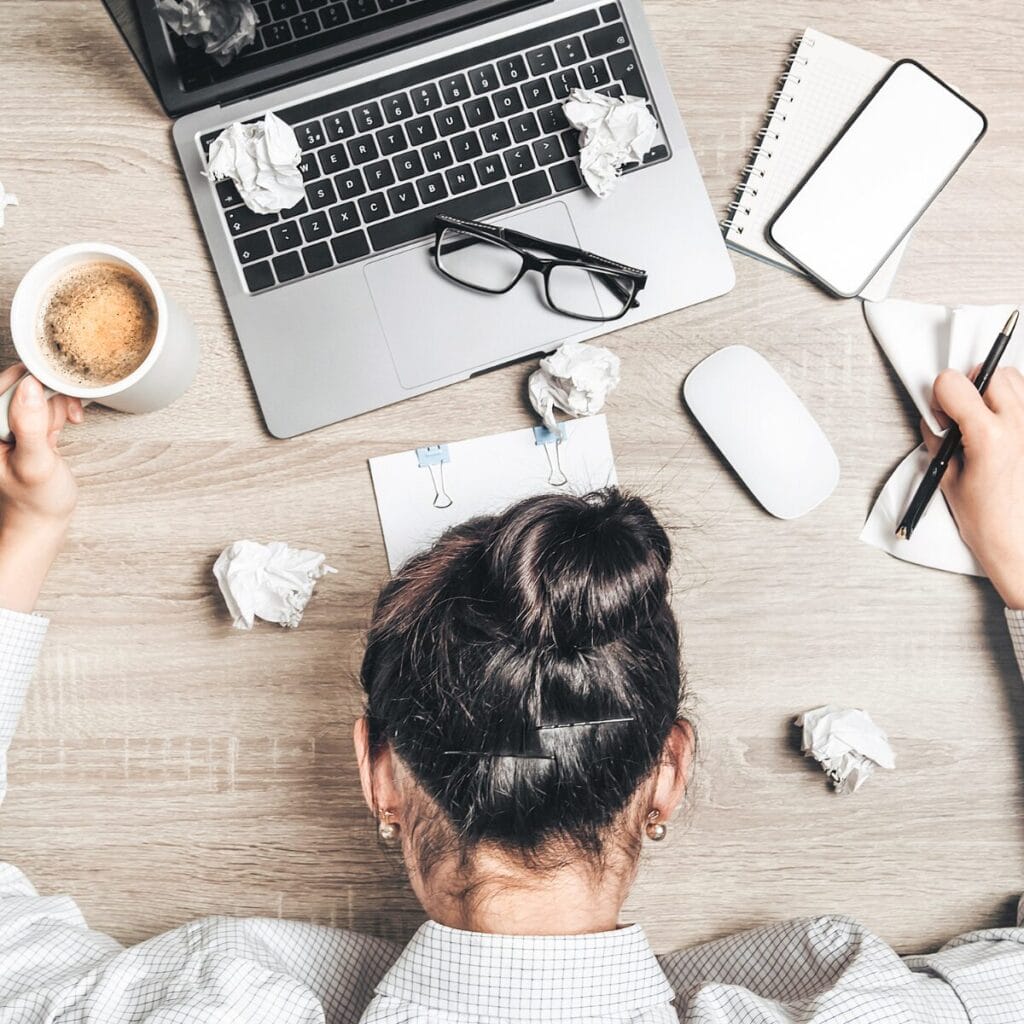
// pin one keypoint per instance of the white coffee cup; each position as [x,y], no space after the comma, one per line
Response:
[163,376]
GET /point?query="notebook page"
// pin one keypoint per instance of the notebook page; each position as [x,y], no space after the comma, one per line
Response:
[826,83]
[483,476]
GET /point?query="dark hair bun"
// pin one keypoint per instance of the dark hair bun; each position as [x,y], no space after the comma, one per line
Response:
[553,613]
[575,573]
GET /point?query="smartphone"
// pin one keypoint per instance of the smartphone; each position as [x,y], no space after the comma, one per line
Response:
[894,157]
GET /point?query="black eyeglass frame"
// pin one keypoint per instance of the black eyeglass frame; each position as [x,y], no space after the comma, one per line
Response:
[567,256]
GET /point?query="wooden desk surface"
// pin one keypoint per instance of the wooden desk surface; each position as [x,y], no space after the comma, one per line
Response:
[167,766]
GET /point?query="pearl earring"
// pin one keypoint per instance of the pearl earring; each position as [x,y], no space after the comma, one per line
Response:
[387,829]
[656,830]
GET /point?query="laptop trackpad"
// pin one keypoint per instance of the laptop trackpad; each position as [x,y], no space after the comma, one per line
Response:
[435,328]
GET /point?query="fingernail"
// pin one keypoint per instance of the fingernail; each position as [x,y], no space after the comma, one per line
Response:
[31,392]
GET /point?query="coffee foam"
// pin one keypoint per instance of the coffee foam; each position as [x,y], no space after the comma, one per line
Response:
[97,323]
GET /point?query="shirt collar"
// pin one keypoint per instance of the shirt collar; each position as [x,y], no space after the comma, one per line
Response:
[528,977]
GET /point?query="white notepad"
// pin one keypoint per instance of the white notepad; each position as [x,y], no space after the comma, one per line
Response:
[826,82]
[422,492]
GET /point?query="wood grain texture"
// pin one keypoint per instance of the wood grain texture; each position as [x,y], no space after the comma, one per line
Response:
[167,766]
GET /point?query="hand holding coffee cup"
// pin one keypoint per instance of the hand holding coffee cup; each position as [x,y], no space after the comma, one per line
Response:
[91,322]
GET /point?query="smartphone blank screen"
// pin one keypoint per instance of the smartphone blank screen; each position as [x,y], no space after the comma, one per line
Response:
[892,160]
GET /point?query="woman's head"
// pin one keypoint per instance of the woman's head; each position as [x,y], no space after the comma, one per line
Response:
[523,683]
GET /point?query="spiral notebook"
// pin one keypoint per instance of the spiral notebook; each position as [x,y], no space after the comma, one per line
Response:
[826,81]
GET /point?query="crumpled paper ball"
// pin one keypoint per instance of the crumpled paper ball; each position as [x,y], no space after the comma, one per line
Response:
[262,160]
[613,132]
[223,28]
[271,581]
[847,744]
[577,378]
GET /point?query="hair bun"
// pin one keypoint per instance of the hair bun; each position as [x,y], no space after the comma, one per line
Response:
[578,572]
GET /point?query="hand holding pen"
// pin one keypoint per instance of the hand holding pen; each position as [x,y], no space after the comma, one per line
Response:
[984,487]
[949,449]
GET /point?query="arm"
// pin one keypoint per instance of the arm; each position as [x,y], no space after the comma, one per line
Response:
[37,497]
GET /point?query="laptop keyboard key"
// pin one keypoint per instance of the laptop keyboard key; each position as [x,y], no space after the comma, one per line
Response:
[320,194]
[315,227]
[478,111]
[472,206]
[373,207]
[309,167]
[571,142]
[317,257]
[460,179]
[379,175]
[594,74]
[334,159]
[349,184]
[483,79]
[397,107]
[253,247]
[512,70]
[339,126]
[431,189]
[570,51]
[490,169]
[450,121]
[350,247]
[228,194]
[408,166]
[566,176]
[606,40]
[426,98]
[564,82]
[334,15]
[391,140]
[421,130]
[437,156]
[610,12]
[403,198]
[466,147]
[310,136]
[286,236]
[363,149]
[541,60]
[519,160]
[275,34]
[454,89]
[258,276]
[552,119]
[508,102]
[283,8]
[496,137]
[368,116]
[242,220]
[536,93]
[532,187]
[524,127]
[288,267]
[305,25]
[362,8]
[547,151]
[626,69]
[344,217]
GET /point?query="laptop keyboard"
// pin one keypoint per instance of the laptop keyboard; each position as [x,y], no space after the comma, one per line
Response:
[472,135]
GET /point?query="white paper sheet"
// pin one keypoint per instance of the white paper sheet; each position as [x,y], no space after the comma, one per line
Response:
[485,476]
[921,340]
[613,132]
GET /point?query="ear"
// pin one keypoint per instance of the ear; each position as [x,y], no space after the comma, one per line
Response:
[674,773]
[376,773]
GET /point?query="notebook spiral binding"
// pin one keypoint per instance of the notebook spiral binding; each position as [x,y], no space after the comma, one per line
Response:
[753,171]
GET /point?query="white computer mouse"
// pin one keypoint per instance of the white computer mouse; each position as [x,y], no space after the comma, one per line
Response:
[764,431]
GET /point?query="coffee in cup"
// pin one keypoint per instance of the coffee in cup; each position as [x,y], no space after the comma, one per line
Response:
[97,323]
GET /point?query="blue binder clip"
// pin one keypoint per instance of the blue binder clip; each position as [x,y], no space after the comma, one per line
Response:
[551,441]
[432,457]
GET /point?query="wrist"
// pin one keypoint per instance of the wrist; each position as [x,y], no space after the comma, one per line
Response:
[25,559]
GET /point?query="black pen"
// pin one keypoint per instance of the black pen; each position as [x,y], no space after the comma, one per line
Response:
[951,443]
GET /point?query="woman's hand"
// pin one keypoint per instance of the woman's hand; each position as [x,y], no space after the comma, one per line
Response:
[985,489]
[37,490]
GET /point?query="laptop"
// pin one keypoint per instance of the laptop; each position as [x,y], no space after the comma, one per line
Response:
[406,109]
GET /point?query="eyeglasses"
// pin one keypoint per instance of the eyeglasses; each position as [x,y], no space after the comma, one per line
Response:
[494,259]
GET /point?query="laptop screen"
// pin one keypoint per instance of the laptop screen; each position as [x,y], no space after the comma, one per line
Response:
[289,29]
